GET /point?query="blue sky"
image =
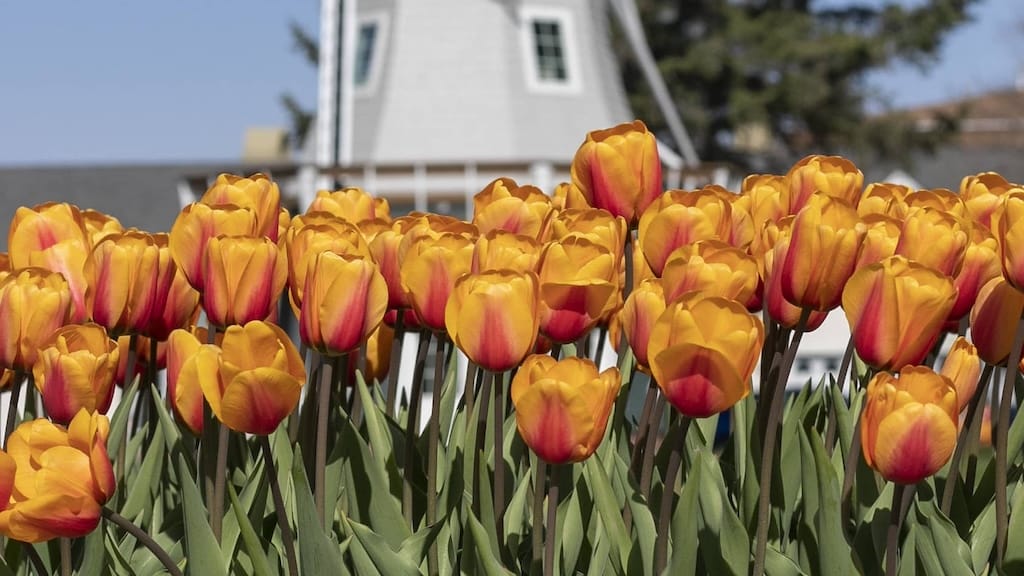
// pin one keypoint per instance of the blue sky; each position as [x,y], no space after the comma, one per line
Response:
[107,81]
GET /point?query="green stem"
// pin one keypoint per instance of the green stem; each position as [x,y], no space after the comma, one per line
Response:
[434,435]
[667,496]
[412,426]
[12,407]
[650,449]
[499,454]
[967,432]
[552,523]
[294,419]
[902,496]
[145,539]
[217,508]
[643,426]
[768,446]
[478,440]
[65,556]
[830,428]
[287,537]
[331,367]
[473,374]
[1002,437]
[396,362]
[540,478]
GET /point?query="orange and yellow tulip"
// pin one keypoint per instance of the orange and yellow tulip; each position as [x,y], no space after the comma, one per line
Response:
[351,204]
[641,310]
[702,352]
[99,225]
[677,218]
[244,279]
[505,205]
[941,199]
[594,224]
[1008,228]
[963,367]
[618,170]
[493,318]
[75,371]
[994,319]
[53,481]
[896,309]
[712,267]
[567,197]
[194,227]
[909,426]
[311,234]
[345,301]
[257,193]
[767,199]
[183,387]
[499,250]
[429,271]
[832,176]
[779,309]
[175,303]
[881,236]
[982,193]
[124,274]
[934,239]
[253,380]
[578,284]
[981,264]
[33,304]
[884,199]
[562,407]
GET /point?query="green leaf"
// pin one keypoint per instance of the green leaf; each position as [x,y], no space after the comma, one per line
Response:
[608,509]
[778,564]
[370,490]
[952,553]
[119,421]
[147,481]
[477,547]
[253,545]
[983,537]
[384,558]
[380,439]
[94,558]
[415,547]
[317,554]
[683,561]
[172,435]
[833,550]
[724,542]
[203,553]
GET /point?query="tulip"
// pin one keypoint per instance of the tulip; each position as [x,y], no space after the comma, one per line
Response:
[994,319]
[492,317]
[642,308]
[568,197]
[504,205]
[244,279]
[742,231]
[562,407]
[713,268]
[618,170]
[578,283]
[311,234]
[832,176]
[884,199]
[499,250]
[1008,228]
[384,249]
[598,226]
[896,310]
[351,204]
[941,199]
[253,381]
[823,248]
[963,368]
[175,303]
[779,309]
[75,371]
[982,194]
[678,218]
[61,478]
[881,236]
[99,225]
[124,272]
[935,239]
[257,193]
[345,301]
[767,198]
[33,304]
[194,227]
[378,353]
[37,229]
[909,426]
[183,387]
[702,352]
[429,272]
[981,264]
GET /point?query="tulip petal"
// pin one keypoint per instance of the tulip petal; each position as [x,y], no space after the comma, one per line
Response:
[256,401]
[698,381]
[914,442]
[49,516]
[552,421]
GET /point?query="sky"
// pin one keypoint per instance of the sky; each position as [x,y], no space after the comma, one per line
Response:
[111,81]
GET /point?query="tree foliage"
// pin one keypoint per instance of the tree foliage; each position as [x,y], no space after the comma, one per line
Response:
[792,71]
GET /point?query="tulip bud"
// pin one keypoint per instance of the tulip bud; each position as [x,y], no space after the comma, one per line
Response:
[257,193]
[75,371]
[1008,228]
[183,387]
[499,250]
[881,236]
[982,193]
[578,282]
[124,271]
[963,368]
[568,197]
[981,264]
[492,317]
[934,239]
[994,319]
[194,227]
[768,199]
[244,279]
[505,205]
[311,234]
[99,225]
[909,426]
[832,176]
[345,301]
[677,218]
[33,304]
[884,199]
[351,204]
[940,199]
[175,303]
[618,170]
[429,271]
[713,268]
[637,317]
[562,407]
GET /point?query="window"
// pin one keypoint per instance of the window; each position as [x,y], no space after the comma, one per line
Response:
[370,42]
[364,51]
[549,50]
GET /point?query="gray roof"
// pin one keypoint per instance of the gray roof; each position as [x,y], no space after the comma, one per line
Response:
[950,164]
[140,196]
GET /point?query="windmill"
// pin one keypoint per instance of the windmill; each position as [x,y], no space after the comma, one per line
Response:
[426,101]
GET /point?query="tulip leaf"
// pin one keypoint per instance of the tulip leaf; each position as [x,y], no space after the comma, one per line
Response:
[833,550]
[386,560]
[201,547]
[415,547]
[477,551]
[448,393]
[172,435]
[380,439]
[572,519]
[951,552]
[1013,560]
[93,559]
[317,554]
[147,481]
[983,537]
[778,564]
[119,420]
[609,511]
[253,546]
[724,542]
[685,520]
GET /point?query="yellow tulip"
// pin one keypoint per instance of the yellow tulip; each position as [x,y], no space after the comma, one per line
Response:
[75,371]
[1008,228]
[935,239]
[244,279]
[505,205]
[641,310]
[351,204]
[497,250]
[832,176]
[712,267]
[619,170]
[194,227]
[257,193]
[578,285]
[124,275]
[963,367]
[994,319]
[429,271]
[677,218]
[562,407]
[345,301]
[33,304]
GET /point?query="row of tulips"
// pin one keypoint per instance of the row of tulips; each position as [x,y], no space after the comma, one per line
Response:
[531,292]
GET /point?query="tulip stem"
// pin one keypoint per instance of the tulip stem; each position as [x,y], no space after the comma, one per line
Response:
[473,373]
[433,440]
[968,433]
[146,540]
[499,454]
[12,408]
[552,523]
[294,418]
[282,518]
[329,375]
[650,448]
[768,446]
[830,428]
[65,556]
[540,478]
[902,497]
[396,362]
[412,425]
[668,494]
[479,437]
[1002,436]
[217,508]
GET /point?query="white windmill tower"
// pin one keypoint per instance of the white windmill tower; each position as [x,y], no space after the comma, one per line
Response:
[426,101]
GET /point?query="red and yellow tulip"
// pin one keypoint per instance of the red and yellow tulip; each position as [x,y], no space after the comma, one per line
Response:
[244,279]
[75,371]
[345,301]
[619,170]
[34,303]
